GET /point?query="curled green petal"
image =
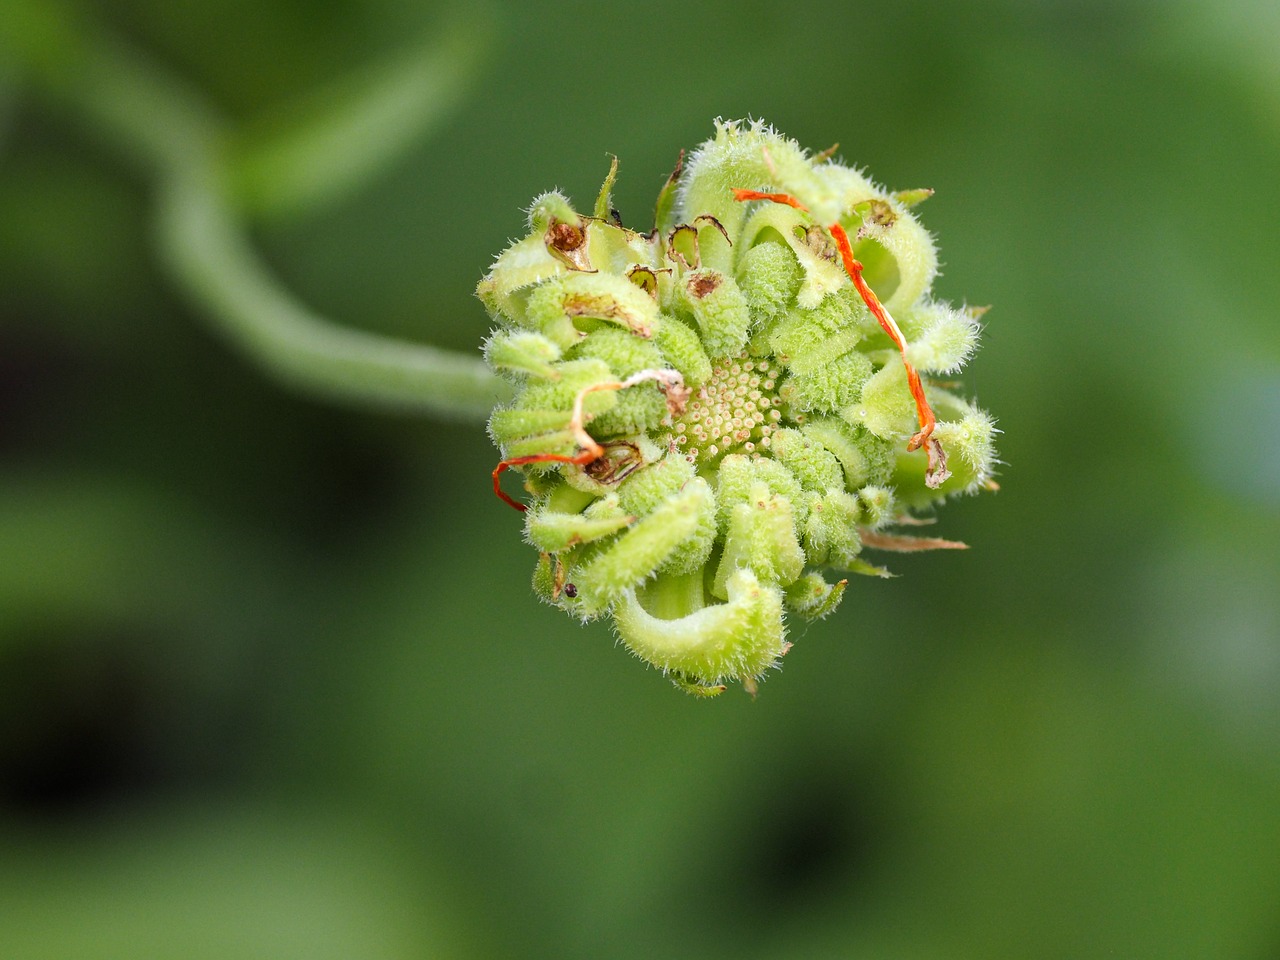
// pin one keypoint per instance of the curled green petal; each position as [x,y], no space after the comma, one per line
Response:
[885,407]
[683,350]
[639,552]
[717,304]
[911,257]
[736,640]
[769,276]
[864,458]
[813,464]
[554,532]
[942,336]
[970,444]
[523,352]
[820,273]
[831,531]
[761,537]
[557,307]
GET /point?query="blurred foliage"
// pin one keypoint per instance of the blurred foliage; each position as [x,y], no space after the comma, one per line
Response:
[272,682]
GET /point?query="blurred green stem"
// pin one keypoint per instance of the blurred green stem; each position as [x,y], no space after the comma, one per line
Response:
[6,102]
[343,133]
[205,249]
[205,245]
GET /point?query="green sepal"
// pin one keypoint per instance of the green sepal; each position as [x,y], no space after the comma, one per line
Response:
[864,569]
[911,198]
[521,266]
[664,210]
[548,207]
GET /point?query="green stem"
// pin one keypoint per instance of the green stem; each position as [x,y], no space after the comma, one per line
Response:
[206,252]
[206,248]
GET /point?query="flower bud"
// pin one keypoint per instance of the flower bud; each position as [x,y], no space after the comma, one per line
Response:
[710,414]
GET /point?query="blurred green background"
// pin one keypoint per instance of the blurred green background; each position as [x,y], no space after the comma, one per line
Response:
[272,680]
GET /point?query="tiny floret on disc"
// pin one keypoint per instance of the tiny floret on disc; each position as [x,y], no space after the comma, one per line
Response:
[711,415]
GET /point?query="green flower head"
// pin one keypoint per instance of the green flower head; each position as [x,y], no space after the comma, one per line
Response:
[710,415]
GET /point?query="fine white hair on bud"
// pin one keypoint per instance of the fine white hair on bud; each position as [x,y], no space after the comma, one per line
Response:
[710,414]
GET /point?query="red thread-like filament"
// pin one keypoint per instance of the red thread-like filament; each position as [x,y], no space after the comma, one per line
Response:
[937,469]
[671,383]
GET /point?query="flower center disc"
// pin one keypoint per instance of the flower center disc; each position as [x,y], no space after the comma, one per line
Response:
[735,410]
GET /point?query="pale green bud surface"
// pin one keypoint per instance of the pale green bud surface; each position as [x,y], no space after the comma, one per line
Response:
[709,416]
